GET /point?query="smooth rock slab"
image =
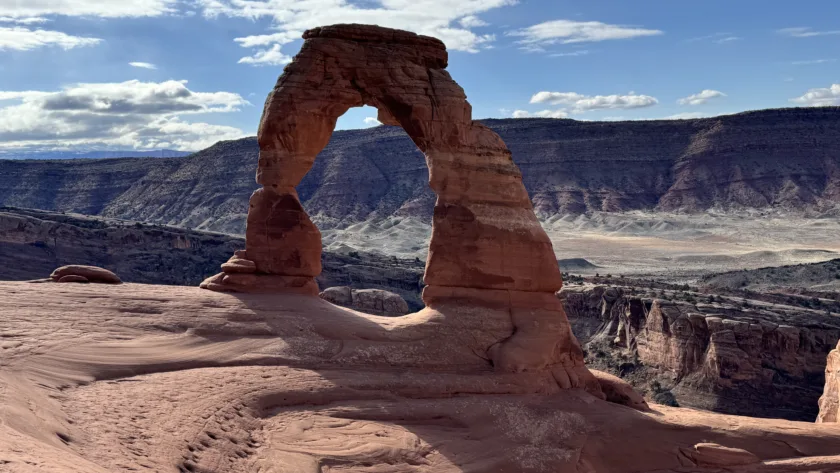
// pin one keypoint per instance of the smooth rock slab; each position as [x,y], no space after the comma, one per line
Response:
[93,274]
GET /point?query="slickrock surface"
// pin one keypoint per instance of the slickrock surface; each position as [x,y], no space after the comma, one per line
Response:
[830,400]
[369,301]
[758,359]
[99,378]
[488,251]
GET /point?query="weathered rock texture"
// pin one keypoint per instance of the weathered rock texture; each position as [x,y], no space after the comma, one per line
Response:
[487,249]
[830,400]
[757,359]
[369,301]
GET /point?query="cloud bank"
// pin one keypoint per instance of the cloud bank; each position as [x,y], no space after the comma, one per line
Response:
[132,114]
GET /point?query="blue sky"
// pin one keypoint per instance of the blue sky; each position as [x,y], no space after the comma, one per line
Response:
[182,74]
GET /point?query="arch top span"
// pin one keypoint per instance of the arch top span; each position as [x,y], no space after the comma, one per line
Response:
[487,247]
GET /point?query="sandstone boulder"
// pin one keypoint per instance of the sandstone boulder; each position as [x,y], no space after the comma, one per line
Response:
[339,295]
[620,392]
[371,301]
[830,400]
[713,455]
[91,273]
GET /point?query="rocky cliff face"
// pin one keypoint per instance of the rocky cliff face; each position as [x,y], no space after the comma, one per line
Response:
[784,159]
[763,360]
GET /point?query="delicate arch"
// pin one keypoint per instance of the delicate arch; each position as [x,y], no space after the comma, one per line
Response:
[485,234]
[488,253]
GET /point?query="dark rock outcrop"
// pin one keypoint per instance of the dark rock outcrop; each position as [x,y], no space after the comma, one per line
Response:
[780,159]
[156,254]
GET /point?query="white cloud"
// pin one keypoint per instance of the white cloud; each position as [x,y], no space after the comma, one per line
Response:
[567,31]
[142,65]
[471,21]
[107,115]
[271,45]
[371,121]
[266,39]
[540,114]
[551,114]
[805,32]
[23,20]
[701,98]
[578,103]
[19,38]
[267,57]
[686,116]
[582,52]
[719,38]
[813,61]
[822,97]
[727,39]
[96,8]
[450,21]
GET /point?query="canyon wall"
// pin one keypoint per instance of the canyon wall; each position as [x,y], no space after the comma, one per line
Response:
[760,360]
[780,159]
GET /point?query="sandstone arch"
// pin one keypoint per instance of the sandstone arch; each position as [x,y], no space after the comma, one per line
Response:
[487,250]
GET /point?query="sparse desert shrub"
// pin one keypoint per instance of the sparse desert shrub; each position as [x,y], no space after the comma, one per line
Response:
[666,398]
[626,368]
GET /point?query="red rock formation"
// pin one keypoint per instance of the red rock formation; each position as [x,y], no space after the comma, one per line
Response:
[488,250]
[88,273]
[830,400]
